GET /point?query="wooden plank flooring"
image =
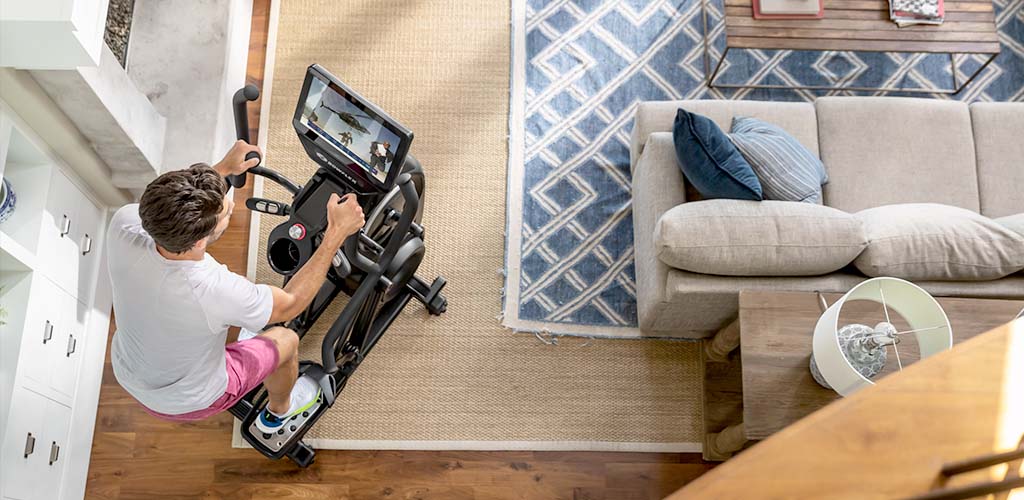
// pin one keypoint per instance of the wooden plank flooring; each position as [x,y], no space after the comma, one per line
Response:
[137,456]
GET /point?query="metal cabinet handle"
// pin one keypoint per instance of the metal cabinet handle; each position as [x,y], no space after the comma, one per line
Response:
[65,226]
[54,452]
[30,444]
[47,332]
[72,343]
[86,245]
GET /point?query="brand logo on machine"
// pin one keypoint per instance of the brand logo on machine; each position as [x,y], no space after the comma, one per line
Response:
[322,157]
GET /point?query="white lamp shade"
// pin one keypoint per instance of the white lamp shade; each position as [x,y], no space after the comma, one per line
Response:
[915,305]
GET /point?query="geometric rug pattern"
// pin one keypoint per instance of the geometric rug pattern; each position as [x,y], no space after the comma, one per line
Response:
[587,65]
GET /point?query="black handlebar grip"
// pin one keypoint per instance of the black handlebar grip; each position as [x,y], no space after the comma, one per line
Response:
[239,104]
[236,181]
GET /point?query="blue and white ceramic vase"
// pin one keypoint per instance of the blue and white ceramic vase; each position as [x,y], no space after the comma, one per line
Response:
[862,348]
[7,200]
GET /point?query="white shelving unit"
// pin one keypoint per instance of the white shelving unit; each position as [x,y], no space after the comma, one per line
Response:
[57,308]
[28,170]
[15,285]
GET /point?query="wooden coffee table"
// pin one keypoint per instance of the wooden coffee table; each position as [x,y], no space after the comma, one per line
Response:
[861,26]
[767,385]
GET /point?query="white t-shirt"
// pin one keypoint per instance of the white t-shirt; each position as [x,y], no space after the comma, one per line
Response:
[173,318]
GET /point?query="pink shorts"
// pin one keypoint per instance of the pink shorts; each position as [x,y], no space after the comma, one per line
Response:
[248,363]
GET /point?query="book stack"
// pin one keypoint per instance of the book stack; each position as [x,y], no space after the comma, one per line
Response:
[788,9]
[914,12]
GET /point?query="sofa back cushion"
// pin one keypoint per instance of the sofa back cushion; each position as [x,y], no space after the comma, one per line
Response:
[885,150]
[797,118]
[749,238]
[927,241]
[999,144]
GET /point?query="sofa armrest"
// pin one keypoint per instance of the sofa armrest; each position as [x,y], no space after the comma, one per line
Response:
[658,186]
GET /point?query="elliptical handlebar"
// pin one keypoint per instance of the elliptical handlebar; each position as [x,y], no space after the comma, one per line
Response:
[412,203]
[239,108]
[374,271]
[239,105]
[273,175]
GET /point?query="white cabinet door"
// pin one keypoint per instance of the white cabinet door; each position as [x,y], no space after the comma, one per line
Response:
[57,422]
[25,449]
[44,322]
[54,339]
[57,248]
[68,245]
[86,234]
[69,345]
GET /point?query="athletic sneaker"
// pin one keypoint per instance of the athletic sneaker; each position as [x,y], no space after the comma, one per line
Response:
[305,394]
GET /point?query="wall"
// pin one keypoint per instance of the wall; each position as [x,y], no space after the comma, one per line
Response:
[32,104]
[124,128]
[188,57]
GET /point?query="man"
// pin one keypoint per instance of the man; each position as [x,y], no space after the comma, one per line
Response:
[380,155]
[346,138]
[174,302]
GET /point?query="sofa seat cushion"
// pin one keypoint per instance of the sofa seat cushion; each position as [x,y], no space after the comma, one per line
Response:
[749,238]
[928,241]
[710,161]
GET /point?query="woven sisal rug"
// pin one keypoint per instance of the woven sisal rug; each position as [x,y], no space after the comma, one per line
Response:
[460,381]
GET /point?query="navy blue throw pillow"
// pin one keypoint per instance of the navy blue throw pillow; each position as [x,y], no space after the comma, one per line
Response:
[711,162]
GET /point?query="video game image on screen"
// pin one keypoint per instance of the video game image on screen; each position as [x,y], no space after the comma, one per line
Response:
[357,133]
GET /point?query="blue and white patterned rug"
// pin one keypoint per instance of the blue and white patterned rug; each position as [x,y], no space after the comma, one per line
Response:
[579,67]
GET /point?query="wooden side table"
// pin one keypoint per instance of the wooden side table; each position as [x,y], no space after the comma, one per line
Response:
[767,385]
[858,25]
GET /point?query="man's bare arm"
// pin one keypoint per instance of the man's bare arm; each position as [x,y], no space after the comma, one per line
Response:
[343,220]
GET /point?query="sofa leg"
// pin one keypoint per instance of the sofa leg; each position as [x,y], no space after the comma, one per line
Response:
[721,445]
[724,342]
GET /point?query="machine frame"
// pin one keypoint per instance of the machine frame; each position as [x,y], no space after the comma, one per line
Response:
[376,270]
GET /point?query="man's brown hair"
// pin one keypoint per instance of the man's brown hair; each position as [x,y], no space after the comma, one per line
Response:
[181,207]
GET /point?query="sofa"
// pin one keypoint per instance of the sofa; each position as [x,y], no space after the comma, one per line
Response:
[876,150]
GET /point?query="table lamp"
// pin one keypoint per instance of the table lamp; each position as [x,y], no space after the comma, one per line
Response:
[845,358]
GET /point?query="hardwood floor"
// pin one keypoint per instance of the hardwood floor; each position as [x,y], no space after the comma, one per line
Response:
[137,456]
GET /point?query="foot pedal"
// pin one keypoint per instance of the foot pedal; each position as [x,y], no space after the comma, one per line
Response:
[278,440]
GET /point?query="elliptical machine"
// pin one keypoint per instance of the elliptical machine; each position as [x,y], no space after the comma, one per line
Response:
[376,268]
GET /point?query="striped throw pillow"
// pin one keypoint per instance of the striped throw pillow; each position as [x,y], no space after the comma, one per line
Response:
[786,169]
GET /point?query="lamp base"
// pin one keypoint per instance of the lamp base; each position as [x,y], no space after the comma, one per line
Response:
[861,349]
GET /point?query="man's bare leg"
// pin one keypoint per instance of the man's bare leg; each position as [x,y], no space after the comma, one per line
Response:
[279,383]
